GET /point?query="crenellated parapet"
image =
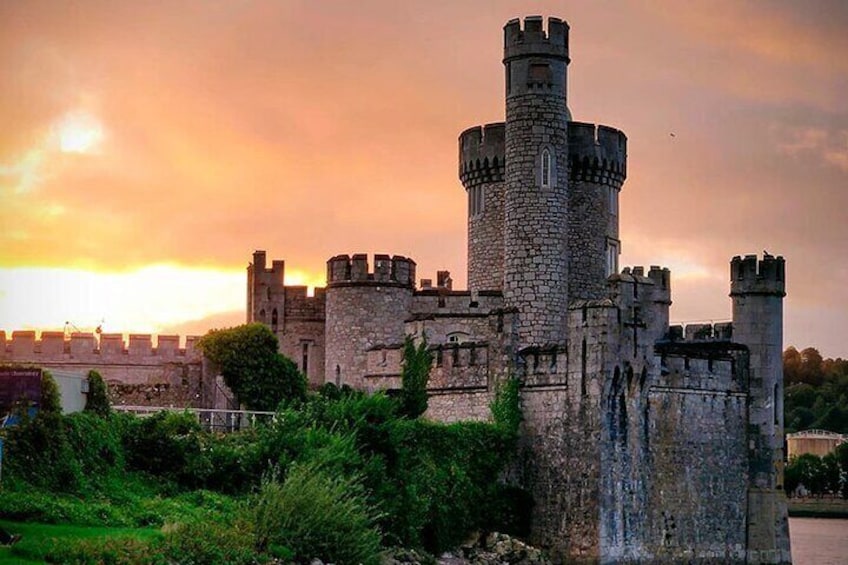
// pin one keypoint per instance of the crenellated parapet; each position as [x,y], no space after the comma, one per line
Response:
[344,270]
[481,155]
[720,331]
[597,154]
[534,40]
[57,347]
[634,286]
[749,275]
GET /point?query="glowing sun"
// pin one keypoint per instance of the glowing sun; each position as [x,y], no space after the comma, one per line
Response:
[79,132]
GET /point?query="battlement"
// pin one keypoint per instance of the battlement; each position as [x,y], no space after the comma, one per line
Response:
[278,266]
[597,153]
[749,275]
[56,347]
[534,40]
[658,277]
[302,307]
[343,270]
[481,154]
[719,331]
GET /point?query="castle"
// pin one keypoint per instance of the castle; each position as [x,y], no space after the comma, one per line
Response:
[642,442]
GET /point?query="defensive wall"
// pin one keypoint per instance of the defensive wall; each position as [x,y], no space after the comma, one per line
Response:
[136,371]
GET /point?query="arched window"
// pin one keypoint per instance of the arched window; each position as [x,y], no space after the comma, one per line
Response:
[612,257]
[476,201]
[613,201]
[274,317]
[546,168]
[262,315]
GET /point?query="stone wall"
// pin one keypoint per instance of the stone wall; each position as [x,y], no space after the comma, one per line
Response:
[696,503]
[301,329]
[136,372]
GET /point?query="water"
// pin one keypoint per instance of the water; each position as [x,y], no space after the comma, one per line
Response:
[819,541]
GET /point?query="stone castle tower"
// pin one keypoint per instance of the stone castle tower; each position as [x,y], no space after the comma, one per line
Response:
[642,442]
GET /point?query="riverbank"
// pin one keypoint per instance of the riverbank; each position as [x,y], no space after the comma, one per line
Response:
[818,508]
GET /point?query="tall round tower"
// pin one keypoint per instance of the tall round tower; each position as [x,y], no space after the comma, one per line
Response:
[536,178]
[481,170]
[757,288]
[364,308]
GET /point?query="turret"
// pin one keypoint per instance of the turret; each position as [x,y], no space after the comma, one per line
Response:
[364,308]
[597,157]
[265,290]
[481,170]
[757,288]
[536,179]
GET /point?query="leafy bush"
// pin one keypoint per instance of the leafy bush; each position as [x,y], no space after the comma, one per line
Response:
[38,452]
[446,481]
[209,543]
[316,514]
[506,407]
[167,444]
[51,398]
[97,400]
[415,373]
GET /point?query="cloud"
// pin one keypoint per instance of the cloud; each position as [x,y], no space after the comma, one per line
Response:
[828,145]
[311,129]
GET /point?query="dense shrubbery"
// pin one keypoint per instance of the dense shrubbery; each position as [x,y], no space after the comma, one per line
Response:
[819,475]
[399,481]
[317,512]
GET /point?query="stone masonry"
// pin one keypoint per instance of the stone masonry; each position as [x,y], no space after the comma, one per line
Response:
[642,442]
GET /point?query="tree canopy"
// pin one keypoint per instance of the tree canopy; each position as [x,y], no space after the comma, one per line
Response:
[248,358]
[816,393]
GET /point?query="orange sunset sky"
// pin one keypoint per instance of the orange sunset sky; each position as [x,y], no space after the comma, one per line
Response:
[147,148]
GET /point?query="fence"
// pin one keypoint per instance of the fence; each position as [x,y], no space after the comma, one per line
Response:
[210,419]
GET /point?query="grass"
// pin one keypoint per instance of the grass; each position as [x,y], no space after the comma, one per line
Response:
[38,539]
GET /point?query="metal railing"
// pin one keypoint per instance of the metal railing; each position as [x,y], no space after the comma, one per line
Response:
[816,433]
[210,419]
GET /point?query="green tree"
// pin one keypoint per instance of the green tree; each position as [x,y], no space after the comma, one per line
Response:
[811,366]
[791,366]
[248,358]
[51,398]
[414,376]
[97,400]
[807,470]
